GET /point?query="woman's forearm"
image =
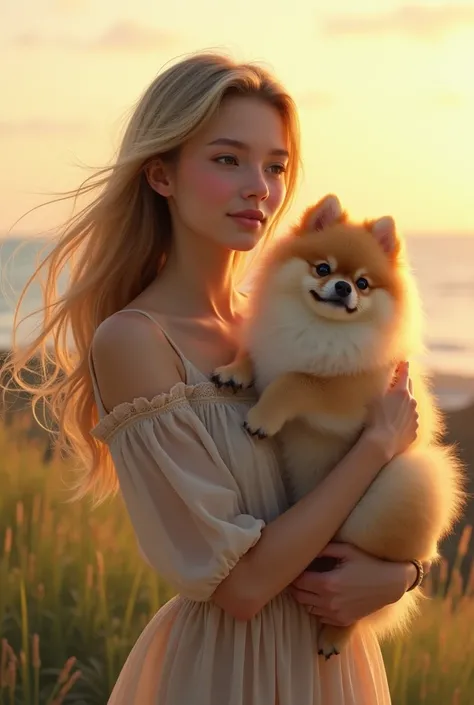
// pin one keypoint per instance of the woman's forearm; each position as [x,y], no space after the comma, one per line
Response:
[289,543]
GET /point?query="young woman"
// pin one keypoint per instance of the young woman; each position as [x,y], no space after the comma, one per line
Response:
[207,166]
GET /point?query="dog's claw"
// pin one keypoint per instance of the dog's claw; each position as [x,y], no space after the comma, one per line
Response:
[260,433]
[229,384]
[327,656]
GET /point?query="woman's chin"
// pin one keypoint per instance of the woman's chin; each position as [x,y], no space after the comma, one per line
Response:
[244,236]
[243,241]
[246,245]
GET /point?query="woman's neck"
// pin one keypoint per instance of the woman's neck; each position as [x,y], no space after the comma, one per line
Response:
[198,280]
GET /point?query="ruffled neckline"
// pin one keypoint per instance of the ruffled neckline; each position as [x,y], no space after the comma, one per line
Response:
[181,394]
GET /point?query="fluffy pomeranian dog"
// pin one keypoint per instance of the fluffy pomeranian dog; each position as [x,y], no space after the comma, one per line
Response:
[333,311]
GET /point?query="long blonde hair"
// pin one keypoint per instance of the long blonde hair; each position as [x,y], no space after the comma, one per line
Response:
[115,246]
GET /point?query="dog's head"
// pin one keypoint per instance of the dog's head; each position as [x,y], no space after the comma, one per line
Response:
[346,274]
[343,271]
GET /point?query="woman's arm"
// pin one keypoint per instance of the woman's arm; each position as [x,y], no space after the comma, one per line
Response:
[290,542]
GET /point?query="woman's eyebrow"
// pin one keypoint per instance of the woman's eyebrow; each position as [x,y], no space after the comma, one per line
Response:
[228,142]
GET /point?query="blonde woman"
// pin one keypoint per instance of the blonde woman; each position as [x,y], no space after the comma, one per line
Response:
[207,166]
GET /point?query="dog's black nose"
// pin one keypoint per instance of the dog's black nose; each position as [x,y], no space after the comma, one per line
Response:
[343,289]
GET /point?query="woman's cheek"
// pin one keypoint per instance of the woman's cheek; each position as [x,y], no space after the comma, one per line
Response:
[213,188]
[276,197]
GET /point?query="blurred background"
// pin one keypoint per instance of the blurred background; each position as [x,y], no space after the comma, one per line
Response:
[386,100]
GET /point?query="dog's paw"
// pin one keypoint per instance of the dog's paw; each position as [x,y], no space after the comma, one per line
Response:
[256,432]
[328,650]
[262,422]
[234,376]
[331,640]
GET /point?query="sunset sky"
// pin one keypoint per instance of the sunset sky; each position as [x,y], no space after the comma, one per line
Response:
[385,90]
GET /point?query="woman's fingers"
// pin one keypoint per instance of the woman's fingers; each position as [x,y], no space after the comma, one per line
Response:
[317,606]
[335,622]
[306,598]
[402,376]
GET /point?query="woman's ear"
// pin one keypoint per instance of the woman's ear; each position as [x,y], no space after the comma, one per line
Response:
[157,174]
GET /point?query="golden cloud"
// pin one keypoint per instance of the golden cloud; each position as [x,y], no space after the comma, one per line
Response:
[415,21]
[122,36]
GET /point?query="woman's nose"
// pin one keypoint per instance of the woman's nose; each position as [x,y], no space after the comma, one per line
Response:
[256,186]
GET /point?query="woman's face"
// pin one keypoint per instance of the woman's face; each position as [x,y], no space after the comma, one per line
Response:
[229,180]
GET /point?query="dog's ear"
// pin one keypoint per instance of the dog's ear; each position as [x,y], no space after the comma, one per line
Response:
[385,232]
[326,212]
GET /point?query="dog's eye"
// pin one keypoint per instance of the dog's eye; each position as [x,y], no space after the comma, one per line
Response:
[362,283]
[323,269]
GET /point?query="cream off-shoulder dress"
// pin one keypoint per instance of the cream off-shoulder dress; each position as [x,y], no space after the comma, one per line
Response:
[199,491]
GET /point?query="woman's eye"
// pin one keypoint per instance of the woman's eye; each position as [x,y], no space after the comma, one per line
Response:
[278,169]
[323,269]
[227,159]
[362,283]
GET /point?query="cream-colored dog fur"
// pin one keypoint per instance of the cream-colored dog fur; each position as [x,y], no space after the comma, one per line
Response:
[318,362]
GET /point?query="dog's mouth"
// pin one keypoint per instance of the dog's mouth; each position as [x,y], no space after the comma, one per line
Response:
[337,302]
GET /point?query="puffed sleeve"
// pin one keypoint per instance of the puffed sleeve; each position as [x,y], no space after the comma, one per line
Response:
[183,501]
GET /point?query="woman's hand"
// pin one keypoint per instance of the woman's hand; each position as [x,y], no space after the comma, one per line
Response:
[393,419]
[359,585]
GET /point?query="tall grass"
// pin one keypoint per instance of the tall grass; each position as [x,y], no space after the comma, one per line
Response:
[434,664]
[75,594]
[72,583]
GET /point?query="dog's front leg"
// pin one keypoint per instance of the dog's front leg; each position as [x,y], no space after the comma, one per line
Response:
[291,395]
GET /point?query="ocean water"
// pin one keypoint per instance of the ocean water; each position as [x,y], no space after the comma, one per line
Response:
[444,267]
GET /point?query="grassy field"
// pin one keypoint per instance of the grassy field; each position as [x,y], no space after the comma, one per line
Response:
[74,595]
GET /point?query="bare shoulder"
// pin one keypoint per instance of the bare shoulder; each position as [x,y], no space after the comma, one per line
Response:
[132,358]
